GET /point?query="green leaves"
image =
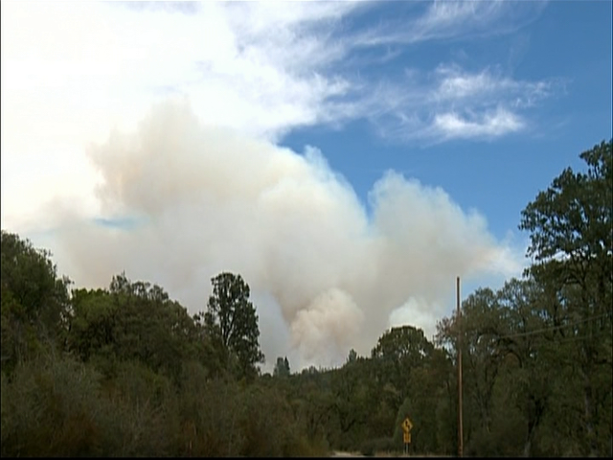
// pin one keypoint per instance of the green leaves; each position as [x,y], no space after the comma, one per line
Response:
[572,240]
[405,343]
[232,323]
[35,302]
[572,218]
[281,367]
[134,321]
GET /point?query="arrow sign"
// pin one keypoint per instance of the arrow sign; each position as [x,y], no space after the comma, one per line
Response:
[407,425]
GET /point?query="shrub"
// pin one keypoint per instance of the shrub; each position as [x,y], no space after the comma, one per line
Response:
[52,407]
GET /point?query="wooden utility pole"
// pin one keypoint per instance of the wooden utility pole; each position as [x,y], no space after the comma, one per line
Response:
[459,351]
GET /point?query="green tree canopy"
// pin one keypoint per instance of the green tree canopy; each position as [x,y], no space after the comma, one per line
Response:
[571,237]
[403,343]
[281,367]
[35,302]
[135,321]
[397,354]
[232,323]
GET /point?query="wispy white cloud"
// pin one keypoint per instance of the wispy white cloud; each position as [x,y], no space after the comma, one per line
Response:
[443,19]
[452,103]
[456,84]
[492,124]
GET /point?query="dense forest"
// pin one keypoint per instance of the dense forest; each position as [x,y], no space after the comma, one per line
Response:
[126,371]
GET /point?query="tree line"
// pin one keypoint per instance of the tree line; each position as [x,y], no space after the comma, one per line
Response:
[126,371]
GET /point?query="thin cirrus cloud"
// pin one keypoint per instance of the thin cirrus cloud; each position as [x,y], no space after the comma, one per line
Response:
[453,103]
[455,84]
[450,102]
[496,123]
[445,20]
[485,104]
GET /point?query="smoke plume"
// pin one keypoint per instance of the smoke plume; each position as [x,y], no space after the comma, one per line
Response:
[327,274]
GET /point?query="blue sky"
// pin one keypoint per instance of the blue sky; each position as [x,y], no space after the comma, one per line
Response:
[567,43]
[348,159]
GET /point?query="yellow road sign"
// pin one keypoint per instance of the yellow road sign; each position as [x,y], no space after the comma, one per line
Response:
[407,437]
[407,425]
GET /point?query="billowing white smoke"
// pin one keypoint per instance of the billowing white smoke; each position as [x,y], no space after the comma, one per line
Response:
[325,329]
[325,276]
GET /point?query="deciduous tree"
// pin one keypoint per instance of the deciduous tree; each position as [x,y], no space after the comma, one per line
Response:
[232,322]
[571,238]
